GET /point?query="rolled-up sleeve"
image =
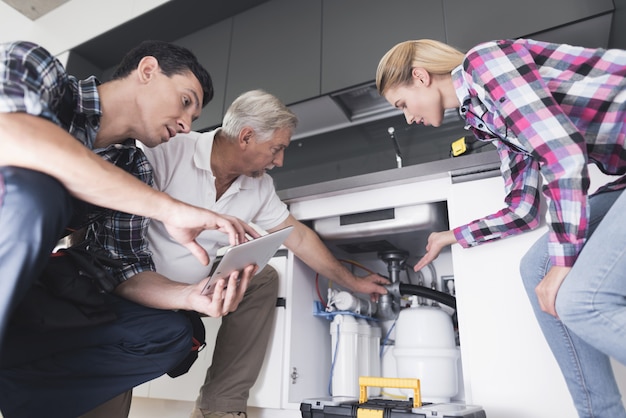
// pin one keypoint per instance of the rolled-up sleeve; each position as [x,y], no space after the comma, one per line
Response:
[31,80]
[522,198]
[514,89]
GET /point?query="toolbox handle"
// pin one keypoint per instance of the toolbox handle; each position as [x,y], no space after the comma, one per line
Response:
[390,382]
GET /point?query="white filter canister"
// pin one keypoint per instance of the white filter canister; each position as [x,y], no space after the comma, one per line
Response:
[435,368]
[344,331]
[425,349]
[365,335]
[374,356]
[369,343]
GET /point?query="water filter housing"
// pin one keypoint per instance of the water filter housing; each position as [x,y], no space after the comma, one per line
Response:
[355,352]
[425,349]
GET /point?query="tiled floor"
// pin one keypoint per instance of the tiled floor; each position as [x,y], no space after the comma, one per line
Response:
[150,408]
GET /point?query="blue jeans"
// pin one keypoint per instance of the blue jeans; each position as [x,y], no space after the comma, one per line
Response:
[591,306]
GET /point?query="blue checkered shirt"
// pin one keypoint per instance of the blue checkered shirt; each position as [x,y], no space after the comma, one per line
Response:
[34,82]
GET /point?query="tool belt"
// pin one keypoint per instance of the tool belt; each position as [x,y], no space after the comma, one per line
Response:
[69,292]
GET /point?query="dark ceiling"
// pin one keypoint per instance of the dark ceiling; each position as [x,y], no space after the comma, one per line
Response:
[168,22]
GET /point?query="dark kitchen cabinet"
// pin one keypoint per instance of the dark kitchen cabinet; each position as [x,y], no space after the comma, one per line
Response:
[357,33]
[301,49]
[469,23]
[211,46]
[276,46]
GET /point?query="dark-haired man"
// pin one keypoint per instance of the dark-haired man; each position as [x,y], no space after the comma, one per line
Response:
[51,179]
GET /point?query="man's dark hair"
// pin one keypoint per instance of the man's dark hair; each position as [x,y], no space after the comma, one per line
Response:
[173,59]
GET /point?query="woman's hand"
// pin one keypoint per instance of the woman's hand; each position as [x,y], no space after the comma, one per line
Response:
[548,288]
[436,242]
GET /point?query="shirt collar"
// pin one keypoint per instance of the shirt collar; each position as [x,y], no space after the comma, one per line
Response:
[202,160]
[461,89]
[86,103]
[88,98]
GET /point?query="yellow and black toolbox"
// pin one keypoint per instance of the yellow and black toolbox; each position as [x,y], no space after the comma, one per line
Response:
[340,407]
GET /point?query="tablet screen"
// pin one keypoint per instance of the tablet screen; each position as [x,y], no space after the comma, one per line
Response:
[257,251]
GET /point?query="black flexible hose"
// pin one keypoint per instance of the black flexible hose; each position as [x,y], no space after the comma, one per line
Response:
[436,295]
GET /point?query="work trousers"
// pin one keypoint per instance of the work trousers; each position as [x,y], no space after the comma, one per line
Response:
[34,211]
[118,407]
[64,373]
[591,305]
[238,357]
[240,347]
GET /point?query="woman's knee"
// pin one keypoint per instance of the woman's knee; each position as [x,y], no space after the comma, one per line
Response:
[575,305]
[568,308]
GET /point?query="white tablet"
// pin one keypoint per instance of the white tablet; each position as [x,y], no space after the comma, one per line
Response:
[257,251]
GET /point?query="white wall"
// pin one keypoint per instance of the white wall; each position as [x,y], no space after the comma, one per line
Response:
[69,25]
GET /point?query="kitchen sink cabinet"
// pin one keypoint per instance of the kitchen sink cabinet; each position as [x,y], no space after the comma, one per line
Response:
[357,33]
[507,367]
[276,46]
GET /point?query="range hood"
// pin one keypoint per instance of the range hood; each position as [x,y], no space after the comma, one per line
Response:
[350,107]
[338,110]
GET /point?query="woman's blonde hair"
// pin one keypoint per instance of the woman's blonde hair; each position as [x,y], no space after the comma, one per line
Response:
[395,67]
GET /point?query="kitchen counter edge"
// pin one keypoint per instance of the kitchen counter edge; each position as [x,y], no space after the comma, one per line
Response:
[464,168]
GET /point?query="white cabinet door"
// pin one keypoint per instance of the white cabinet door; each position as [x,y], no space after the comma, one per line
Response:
[508,366]
[266,392]
[509,369]
[307,340]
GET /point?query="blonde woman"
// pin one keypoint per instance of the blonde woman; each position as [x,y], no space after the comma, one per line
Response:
[550,109]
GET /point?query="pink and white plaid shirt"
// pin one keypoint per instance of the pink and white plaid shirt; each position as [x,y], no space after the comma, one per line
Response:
[550,109]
